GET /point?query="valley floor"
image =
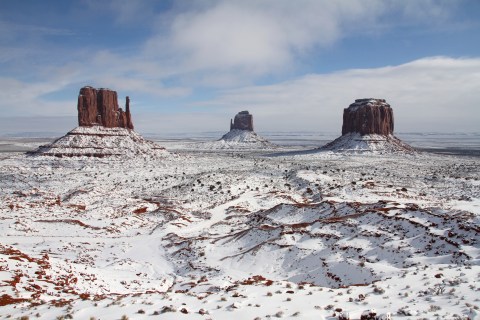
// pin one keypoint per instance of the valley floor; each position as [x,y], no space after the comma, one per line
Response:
[244,235]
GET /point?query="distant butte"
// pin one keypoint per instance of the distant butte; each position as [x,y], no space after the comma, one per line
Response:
[242,121]
[241,135]
[100,107]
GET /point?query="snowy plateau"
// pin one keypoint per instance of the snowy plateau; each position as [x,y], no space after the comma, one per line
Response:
[240,234]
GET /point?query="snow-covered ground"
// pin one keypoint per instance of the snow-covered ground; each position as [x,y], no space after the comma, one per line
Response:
[353,142]
[233,140]
[242,235]
[99,141]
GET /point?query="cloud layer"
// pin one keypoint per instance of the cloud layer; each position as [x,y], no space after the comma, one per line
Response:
[208,59]
[432,94]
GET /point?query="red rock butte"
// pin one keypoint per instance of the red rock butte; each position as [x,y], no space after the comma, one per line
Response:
[368,116]
[242,121]
[100,107]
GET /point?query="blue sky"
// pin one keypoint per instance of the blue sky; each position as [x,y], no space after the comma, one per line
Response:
[192,65]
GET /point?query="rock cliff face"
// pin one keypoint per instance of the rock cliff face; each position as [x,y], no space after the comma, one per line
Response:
[100,107]
[104,130]
[368,127]
[242,121]
[368,116]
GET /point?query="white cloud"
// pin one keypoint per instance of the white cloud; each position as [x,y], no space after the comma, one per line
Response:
[255,38]
[226,44]
[431,94]
[22,98]
[214,40]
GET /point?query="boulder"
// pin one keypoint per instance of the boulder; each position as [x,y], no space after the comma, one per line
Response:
[100,107]
[368,116]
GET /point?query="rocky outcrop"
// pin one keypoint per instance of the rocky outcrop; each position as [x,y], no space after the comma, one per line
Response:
[240,137]
[368,116]
[100,107]
[242,121]
[104,130]
[368,127]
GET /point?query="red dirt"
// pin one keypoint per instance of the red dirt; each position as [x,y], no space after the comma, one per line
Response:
[6,299]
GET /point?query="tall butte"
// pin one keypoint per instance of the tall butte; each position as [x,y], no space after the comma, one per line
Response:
[242,121]
[104,130]
[100,107]
[368,126]
[368,116]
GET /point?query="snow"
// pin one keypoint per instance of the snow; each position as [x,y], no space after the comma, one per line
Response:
[354,142]
[239,235]
[99,141]
[367,102]
[237,139]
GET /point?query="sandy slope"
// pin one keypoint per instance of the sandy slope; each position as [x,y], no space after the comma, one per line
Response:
[240,235]
[353,142]
[98,141]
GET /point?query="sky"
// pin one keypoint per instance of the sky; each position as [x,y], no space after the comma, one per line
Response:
[190,66]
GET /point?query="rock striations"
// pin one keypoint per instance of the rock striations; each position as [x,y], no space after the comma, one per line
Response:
[368,127]
[368,116]
[104,130]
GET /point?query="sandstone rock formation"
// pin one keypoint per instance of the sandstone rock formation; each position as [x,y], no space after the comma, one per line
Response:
[240,137]
[368,116]
[242,121]
[100,107]
[104,130]
[368,127]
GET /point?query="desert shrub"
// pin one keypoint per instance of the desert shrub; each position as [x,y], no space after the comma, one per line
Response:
[168,309]
[379,290]
[404,312]
[343,316]
[434,308]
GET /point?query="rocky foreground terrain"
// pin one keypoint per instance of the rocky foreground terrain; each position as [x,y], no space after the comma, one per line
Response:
[240,235]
